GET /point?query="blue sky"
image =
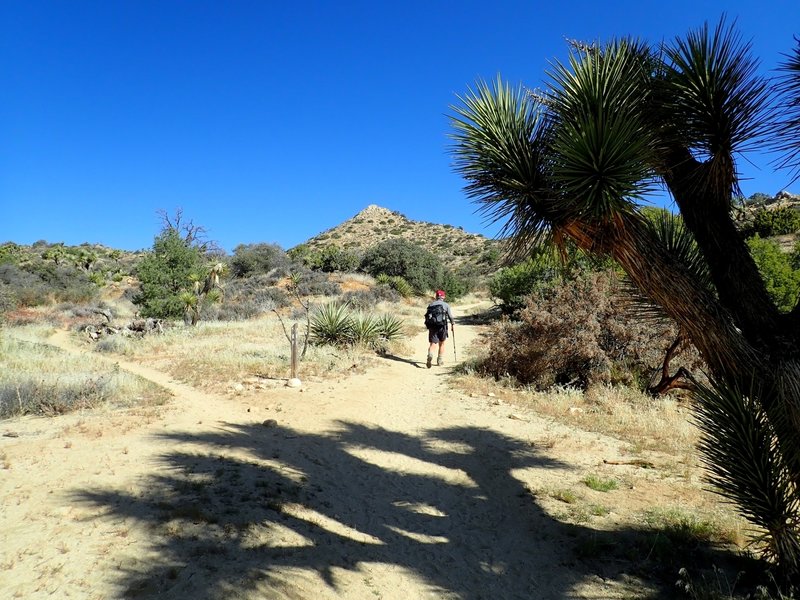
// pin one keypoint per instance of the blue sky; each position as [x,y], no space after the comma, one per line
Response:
[273,121]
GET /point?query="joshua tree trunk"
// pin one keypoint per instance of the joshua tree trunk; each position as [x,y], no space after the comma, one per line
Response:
[745,357]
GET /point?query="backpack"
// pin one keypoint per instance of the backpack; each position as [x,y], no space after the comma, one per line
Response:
[436,316]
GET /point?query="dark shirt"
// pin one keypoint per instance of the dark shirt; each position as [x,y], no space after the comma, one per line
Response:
[446,308]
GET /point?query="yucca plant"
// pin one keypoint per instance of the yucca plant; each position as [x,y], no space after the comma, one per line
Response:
[574,164]
[401,286]
[738,448]
[191,307]
[363,329]
[389,328]
[332,324]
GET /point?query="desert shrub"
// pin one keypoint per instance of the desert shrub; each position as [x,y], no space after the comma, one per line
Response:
[258,259]
[10,253]
[337,325]
[510,286]
[38,282]
[91,310]
[489,257]
[238,311]
[247,299]
[37,379]
[113,344]
[21,287]
[400,257]
[316,283]
[7,301]
[778,221]
[577,333]
[780,276]
[758,198]
[454,284]
[332,259]
[366,299]
[165,273]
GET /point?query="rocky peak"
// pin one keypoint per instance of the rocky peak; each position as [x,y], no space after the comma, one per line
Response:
[373,211]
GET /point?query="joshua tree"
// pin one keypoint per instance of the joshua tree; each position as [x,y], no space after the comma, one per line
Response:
[576,161]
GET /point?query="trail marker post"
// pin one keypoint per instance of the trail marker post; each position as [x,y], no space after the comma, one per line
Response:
[294,351]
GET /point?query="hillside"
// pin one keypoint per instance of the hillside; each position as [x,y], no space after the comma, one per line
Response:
[746,213]
[376,224]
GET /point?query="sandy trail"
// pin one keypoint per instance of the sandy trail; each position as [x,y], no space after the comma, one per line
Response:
[386,484]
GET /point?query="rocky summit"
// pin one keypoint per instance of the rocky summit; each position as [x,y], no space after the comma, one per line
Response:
[376,224]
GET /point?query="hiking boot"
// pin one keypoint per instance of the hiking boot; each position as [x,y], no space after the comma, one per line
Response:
[439,361]
[429,361]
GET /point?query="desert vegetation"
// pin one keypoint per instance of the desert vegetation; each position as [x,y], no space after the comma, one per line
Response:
[565,339]
[574,162]
[667,359]
[38,379]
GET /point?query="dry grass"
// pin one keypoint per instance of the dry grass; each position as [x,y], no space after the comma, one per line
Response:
[658,430]
[39,379]
[660,424]
[218,355]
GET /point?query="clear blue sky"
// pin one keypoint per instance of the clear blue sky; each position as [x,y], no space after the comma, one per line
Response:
[273,121]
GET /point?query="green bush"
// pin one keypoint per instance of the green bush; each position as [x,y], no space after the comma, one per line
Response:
[10,253]
[332,259]
[257,259]
[778,221]
[454,284]
[780,276]
[400,257]
[165,273]
[512,285]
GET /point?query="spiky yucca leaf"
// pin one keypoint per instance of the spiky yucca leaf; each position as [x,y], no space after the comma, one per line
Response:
[401,286]
[331,324]
[188,299]
[603,143]
[363,329]
[213,296]
[502,149]
[718,100]
[787,132]
[746,465]
[390,328]
[670,232]
[718,104]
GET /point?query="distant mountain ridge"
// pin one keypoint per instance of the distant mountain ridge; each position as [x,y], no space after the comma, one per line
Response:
[376,224]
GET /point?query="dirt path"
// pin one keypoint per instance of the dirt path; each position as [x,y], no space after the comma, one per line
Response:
[386,484]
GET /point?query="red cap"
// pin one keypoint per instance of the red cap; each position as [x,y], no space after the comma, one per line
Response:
[440,293]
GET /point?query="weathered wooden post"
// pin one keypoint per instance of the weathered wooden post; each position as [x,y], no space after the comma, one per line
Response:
[294,351]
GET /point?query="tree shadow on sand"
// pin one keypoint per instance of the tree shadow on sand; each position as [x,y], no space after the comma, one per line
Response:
[248,509]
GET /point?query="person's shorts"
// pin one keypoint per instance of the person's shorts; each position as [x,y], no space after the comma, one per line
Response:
[437,334]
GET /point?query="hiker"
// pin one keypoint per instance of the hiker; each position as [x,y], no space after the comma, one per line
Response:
[436,318]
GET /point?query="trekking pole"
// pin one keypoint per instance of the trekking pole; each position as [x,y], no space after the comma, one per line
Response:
[455,356]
